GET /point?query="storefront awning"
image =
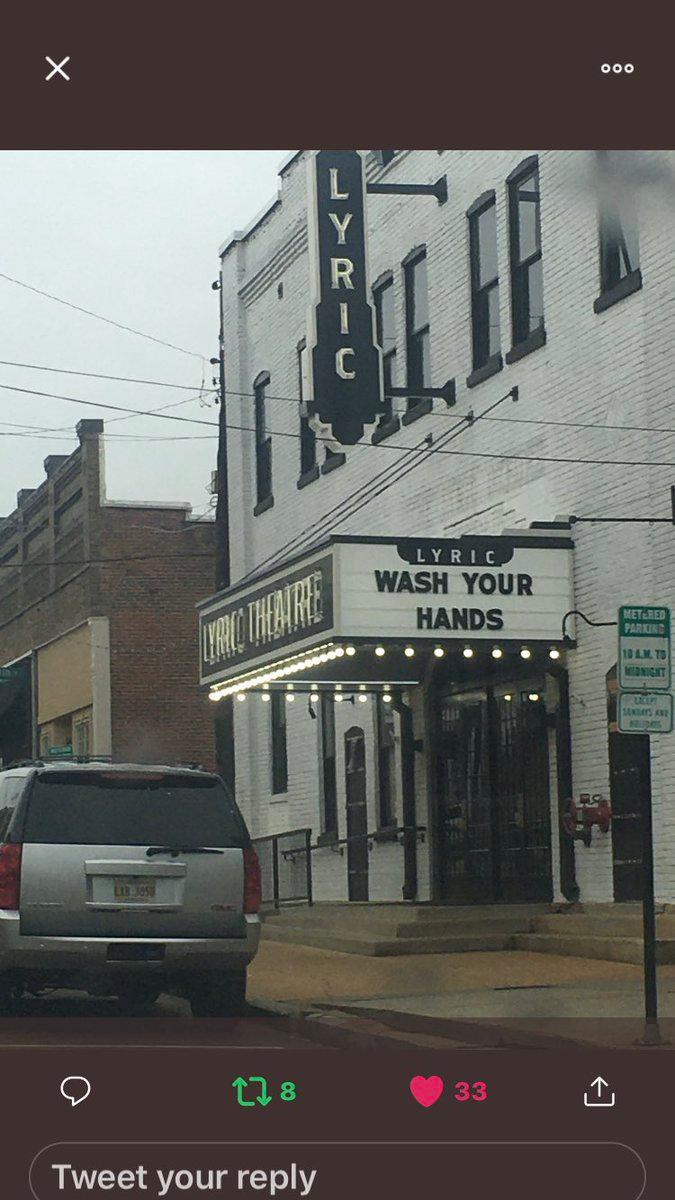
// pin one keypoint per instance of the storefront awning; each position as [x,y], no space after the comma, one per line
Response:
[369,610]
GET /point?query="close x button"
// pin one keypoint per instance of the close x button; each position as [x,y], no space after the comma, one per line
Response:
[57,70]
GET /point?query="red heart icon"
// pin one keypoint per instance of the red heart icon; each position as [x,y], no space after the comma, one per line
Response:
[426,1091]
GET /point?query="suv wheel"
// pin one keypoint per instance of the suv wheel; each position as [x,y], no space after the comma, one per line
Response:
[10,994]
[219,996]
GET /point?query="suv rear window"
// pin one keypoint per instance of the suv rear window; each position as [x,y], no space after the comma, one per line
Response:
[10,790]
[124,809]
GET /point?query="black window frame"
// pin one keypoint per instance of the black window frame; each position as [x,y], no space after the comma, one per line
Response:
[381,287]
[386,764]
[485,362]
[329,798]
[414,335]
[278,743]
[263,446]
[613,217]
[523,339]
[309,468]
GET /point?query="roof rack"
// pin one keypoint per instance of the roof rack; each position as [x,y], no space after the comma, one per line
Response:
[62,758]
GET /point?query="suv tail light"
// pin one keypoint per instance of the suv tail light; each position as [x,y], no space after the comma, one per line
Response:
[252,881]
[10,875]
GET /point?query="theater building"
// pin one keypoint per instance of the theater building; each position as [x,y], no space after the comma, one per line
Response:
[396,643]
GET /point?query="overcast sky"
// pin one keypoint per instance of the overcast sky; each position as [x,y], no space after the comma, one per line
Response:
[133,236]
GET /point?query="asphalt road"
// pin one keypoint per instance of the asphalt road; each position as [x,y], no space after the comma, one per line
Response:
[74,1018]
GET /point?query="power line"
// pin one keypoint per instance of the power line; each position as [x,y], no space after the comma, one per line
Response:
[470,422]
[183,387]
[457,431]
[98,317]
[136,412]
[250,395]
[88,562]
[340,511]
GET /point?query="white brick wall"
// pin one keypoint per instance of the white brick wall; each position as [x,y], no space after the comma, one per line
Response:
[612,368]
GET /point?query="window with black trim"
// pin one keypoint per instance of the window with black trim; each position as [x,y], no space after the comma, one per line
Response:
[418,355]
[527,286]
[619,255]
[329,821]
[484,282]
[618,236]
[279,742]
[307,434]
[385,325]
[386,760]
[263,443]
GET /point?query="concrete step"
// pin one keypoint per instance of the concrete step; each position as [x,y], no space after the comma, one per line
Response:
[611,948]
[409,920]
[403,930]
[379,946]
[607,924]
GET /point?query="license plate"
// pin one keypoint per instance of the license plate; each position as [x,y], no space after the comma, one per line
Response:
[134,889]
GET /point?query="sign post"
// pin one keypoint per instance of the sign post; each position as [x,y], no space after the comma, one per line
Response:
[644,671]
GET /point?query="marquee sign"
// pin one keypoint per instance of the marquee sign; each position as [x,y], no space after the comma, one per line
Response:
[499,588]
[516,587]
[261,621]
[345,362]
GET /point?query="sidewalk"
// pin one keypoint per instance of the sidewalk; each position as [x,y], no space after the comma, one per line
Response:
[509,987]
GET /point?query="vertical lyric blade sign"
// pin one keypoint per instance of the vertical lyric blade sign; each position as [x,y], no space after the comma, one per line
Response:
[345,362]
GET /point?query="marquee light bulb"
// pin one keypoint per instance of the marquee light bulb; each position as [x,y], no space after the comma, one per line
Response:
[379,650]
[314,695]
[439,651]
[467,652]
[533,696]
[525,653]
[339,652]
[497,652]
[290,697]
[338,698]
[241,696]
[351,651]
[363,699]
[265,696]
[508,696]
[554,653]
[386,698]
[214,695]
[409,651]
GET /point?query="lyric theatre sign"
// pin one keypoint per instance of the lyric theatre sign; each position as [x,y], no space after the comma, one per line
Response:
[514,587]
[261,621]
[345,391]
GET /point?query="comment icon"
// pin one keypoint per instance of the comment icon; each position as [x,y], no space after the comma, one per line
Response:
[75,1088]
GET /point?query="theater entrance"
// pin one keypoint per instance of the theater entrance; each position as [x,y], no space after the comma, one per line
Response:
[493,806]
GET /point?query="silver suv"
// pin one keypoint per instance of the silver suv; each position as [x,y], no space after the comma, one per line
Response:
[125,880]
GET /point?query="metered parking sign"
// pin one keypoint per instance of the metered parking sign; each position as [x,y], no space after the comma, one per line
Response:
[645,712]
[644,648]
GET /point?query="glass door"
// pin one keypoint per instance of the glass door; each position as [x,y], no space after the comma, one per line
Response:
[494,825]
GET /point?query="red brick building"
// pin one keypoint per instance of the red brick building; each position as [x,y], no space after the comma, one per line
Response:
[97,620]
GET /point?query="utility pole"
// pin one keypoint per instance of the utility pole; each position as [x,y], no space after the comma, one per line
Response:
[224,715]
